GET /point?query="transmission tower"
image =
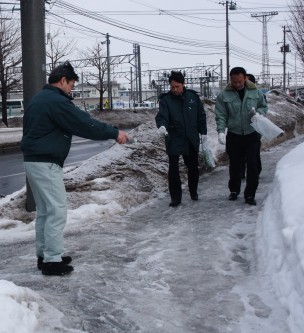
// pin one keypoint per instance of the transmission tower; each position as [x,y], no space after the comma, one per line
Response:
[264,18]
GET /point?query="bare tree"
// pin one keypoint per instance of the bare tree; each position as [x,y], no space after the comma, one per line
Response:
[95,57]
[10,59]
[296,31]
[56,50]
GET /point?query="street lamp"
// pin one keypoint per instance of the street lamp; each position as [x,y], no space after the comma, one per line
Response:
[231,6]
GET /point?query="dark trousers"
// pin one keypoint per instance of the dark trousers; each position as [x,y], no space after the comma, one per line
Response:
[239,147]
[175,185]
[259,161]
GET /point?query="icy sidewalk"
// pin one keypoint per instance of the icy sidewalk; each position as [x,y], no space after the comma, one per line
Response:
[161,269]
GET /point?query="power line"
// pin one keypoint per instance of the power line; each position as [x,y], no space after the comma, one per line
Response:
[138,30]
[218,47]
[152,46]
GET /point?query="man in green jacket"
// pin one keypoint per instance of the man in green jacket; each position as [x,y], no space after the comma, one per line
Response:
[233,110]
[50,121]
[181,118]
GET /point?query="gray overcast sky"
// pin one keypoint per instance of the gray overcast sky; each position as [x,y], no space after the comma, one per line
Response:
[175,33]
[202,23]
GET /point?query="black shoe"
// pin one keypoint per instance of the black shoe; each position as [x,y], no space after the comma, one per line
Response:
[194,196]
[233,196]
[56,268]
[174,203]
[250,201]
[66,260]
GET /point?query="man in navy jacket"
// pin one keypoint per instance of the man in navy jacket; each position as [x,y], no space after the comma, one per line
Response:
[182,118]
[50,121]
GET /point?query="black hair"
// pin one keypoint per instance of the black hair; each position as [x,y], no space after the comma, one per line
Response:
[251,77]
[65,70]
[238,70]
[176,76]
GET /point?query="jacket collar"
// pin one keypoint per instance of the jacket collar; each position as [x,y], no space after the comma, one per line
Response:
[58,90]
[248,84]
[178,96]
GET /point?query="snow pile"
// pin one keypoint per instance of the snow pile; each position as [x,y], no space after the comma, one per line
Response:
[10,135]
[18,309]
[280,239]
[22,310]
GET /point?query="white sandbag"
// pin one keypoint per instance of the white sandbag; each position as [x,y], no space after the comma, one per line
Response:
[207,153]
[265,127]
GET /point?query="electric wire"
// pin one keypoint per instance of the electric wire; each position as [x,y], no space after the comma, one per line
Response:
[238,52]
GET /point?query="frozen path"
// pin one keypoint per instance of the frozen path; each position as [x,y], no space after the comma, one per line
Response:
[162,270]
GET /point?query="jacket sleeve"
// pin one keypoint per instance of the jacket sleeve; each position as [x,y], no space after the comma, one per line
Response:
[262,106]
[221,114]
[162,117]
[201,118]
[77,122]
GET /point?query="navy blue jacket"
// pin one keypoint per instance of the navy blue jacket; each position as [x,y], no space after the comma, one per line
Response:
[50,121]
[184,118]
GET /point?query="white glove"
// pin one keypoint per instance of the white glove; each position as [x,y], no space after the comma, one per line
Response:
[222,138]
[131,140]
[162,130]
[254,118]
[203,138]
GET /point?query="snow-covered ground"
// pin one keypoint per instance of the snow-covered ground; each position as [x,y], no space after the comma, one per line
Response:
[280,230]
[211,266]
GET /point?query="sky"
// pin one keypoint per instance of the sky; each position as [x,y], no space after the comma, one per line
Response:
[174,33]
[138,252]
[200,23]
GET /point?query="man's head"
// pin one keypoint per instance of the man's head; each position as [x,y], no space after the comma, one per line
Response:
[238,78]
[63,77]
[177,82]
[251,78]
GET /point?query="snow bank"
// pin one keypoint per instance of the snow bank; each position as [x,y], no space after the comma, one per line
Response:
[18,308]
[280,231]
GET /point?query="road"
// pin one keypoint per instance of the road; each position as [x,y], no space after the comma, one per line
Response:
[12,176]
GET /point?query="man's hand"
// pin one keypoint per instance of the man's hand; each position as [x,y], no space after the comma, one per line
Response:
[222,138]
[122,137]
[203,138]
[254,118]
[162,130]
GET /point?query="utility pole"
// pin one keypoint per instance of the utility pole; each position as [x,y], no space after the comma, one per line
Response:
[82,92]
[33,52]
[109,73]
[231,6]
[264,18]
[131,92]
[296,80]
[139,74]
[284,50]
[221,75]
[135,50]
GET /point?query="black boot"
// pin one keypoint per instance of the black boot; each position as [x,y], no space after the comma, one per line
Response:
[66,260]
[250,201]
[174,203]
[194,196]
[233,196]
[56,268]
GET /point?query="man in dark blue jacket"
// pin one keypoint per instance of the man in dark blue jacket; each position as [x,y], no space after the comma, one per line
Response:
[50,121]
[182,118]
